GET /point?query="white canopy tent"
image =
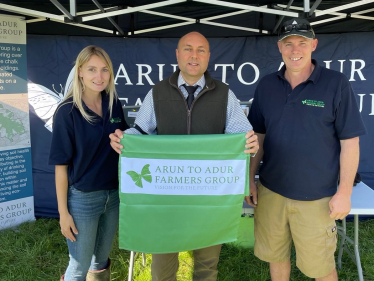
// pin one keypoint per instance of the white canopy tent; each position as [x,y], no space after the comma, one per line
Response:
[207,12]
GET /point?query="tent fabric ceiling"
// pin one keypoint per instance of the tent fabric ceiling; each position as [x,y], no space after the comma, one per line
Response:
[241,24]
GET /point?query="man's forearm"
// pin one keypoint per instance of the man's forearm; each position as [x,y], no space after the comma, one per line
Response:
[349,158]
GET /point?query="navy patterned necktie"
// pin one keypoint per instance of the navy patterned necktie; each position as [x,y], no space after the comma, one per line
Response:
[191,91]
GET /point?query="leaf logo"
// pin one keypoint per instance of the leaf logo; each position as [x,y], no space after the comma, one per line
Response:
[137,178]
[115,120]
[304,101]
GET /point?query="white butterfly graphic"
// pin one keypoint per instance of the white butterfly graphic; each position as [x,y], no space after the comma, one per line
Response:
[45,101]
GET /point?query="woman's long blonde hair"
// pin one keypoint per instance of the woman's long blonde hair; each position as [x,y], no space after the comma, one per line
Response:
[77,86]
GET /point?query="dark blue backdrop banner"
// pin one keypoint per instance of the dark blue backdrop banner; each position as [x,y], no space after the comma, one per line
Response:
[140,63]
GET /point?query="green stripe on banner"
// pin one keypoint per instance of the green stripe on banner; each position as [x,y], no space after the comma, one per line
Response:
[197,147]
[169,227]
[153,223]
[145,199]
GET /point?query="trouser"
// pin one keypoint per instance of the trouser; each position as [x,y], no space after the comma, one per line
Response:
[165,266]
[95,216]
[279,221]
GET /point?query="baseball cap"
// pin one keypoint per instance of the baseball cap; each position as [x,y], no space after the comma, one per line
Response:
[299,27]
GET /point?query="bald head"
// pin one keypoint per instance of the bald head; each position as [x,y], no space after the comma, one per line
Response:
[193,36]
[192,56]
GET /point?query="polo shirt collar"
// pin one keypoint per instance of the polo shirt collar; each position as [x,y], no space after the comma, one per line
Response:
[313,77]
[104,104]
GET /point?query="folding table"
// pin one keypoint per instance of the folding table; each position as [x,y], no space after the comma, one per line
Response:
[362,204]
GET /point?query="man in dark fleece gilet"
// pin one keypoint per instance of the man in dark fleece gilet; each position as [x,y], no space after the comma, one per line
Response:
[190,102]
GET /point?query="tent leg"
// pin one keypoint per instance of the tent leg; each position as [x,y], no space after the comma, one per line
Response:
[357,253]
[131,266]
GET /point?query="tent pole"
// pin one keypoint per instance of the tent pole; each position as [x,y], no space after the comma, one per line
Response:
[357,15]
[248,7]
[62,9]
[73,8]
[306,6]
[314,7]
[202,21]
[282,17]
[343,7]
[132,10]
[109,18]
[29,12]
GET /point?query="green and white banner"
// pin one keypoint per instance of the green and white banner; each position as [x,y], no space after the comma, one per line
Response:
[181,193]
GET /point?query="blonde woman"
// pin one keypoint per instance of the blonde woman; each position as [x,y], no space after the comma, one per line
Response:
[86,166]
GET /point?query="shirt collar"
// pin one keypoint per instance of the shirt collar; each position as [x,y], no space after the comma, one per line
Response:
[313,77]
[200,83]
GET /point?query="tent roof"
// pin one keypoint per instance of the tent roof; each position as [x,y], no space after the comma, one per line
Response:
[173,18]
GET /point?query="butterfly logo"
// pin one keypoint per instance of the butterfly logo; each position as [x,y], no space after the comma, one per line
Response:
[45,101]
[144,174]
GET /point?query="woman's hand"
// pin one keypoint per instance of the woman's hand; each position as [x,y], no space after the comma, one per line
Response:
[68,228]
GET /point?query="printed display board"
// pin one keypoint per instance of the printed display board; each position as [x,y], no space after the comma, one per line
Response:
[16,184]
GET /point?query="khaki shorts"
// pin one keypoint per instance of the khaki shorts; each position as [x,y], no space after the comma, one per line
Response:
[279,221]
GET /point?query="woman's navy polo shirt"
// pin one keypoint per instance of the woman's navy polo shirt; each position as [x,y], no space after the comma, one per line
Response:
[303,130]
[85,147]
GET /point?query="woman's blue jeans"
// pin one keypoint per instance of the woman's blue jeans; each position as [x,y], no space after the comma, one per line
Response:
[95,216]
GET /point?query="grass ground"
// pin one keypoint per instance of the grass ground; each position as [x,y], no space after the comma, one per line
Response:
[37,251]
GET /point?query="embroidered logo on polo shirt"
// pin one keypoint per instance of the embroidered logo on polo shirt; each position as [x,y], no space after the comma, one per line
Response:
[144,174]
[115,120]
[316,103]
